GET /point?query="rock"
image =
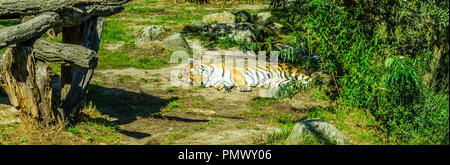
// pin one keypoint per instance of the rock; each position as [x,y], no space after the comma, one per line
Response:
[240,31]
[8,114]
[150,33]
[194,27]
[319,128]
[217,18]
[275,27]
[244,17]
[176,42]
[263,18]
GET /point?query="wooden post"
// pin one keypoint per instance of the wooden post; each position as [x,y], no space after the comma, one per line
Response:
[82,76]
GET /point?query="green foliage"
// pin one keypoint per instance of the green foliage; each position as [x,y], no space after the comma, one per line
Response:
[5,22]
[291,88]
[388,56]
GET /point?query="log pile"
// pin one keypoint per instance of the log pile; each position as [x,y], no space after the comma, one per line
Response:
[25,76]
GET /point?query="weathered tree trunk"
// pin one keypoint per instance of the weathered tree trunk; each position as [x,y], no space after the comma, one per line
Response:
[81,77]
[27,81]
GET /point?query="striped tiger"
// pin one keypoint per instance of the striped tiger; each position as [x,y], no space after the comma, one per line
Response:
[225,78]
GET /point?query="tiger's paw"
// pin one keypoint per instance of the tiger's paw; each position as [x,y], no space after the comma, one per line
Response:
[244,89]
[226,89]
[223,88]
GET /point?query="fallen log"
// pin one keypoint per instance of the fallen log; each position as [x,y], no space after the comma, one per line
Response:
[64,53]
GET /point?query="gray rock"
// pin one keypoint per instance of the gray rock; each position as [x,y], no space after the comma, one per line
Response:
[318,128]
[194,27]
[263,18]
[216,18]
[244,17]
[176,42]
[240,31]
[8,114]
[150,33]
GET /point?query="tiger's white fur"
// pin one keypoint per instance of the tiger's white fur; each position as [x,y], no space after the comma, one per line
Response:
[225,78]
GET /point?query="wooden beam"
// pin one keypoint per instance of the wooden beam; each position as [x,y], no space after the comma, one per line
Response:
[14,8]
[64,53]
[28,30]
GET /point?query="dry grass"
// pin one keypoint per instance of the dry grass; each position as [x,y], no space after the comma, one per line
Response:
[93,128]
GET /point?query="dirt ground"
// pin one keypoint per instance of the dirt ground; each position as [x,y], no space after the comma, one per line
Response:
[204,116]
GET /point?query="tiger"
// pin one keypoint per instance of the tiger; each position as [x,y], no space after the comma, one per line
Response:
[225,78]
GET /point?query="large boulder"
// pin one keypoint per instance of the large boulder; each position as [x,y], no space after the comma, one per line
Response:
[156,36]
[150,33]
[263,18]
[194,27]
[239,31]
[176,42]
[217,18]
[244,17]
[318,128]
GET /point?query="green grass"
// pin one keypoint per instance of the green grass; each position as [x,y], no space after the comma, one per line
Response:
[2,51]
[4,22]
[216,120]
[115,31]
[95,127]
[276,137]
[357,124]
[172,89]
[120,59]
[5,133]
[173,137]
[257,104]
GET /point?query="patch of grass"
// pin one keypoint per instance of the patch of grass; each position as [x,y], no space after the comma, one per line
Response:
[123,78]
[55,67]
[4,22]
[216,120]
[73,130]
[257,104]
[246,125]
[276,137]
[7,133]
[156,79]
[174,103]
[2,51]
[119,59]
[358,125]
[115,31]
[141,3]
[95,127]
[172,89]
[173,137]
[320,96]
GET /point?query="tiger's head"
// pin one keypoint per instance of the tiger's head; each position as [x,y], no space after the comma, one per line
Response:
[192,74]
